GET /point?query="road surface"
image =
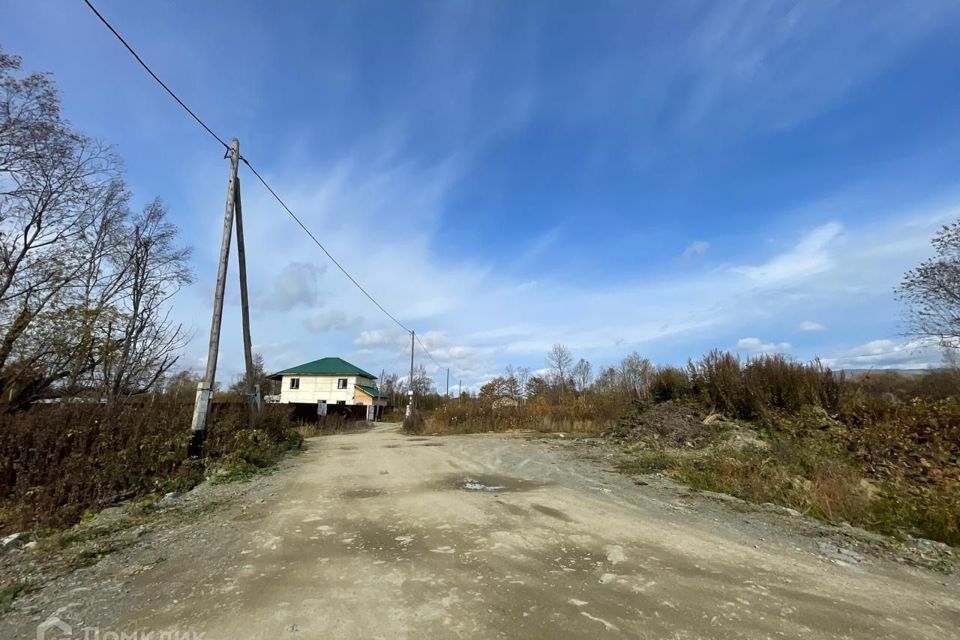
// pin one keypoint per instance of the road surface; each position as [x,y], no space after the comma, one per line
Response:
[381,535]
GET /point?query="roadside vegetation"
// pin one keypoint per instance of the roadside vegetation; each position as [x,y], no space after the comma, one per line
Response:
[880,450]
[58,462]
[91,411]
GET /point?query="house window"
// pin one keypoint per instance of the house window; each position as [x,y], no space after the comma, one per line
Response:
[294,383]
[342,383]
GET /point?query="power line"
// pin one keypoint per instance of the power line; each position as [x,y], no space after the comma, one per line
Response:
[323,248]
[261,179]
[427,351]
[155,76]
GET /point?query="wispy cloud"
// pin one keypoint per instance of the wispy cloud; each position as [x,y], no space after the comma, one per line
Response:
[888,354]
[809,257]
[695,249]
[332,321]
[758,346]
[810,325]
[295,285]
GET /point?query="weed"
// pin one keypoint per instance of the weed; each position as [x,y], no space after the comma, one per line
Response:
[415,423]
[13,591]
[648,461]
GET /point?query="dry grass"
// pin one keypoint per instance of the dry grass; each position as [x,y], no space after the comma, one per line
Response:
[584,415]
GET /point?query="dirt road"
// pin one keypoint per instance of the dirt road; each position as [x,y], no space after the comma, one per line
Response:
[379,535]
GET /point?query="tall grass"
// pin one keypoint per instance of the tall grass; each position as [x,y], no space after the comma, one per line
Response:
[753,388]
[587,414]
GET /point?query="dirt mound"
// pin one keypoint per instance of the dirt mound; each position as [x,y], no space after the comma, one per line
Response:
[671,424]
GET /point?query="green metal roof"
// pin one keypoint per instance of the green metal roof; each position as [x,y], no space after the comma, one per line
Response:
[325,367]
[373,392]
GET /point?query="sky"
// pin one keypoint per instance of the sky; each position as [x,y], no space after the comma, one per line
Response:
[658,177]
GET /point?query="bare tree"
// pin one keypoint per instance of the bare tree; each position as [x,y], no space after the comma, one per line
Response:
[635,374]
[144,343]
[932,291]
[582,374]
[607,380]
[522,375]
[83,284]
[422,383]
[560,360]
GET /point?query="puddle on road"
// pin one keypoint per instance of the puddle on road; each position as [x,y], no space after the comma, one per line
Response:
[351,494]
[553,513]
[487,482]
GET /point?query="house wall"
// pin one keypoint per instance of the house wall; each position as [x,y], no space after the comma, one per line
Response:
[315,388]
[362,398]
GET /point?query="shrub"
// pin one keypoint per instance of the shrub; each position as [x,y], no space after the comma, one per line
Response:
[415,423]
[669,383]
[823,487]
[764,384]
[58,461]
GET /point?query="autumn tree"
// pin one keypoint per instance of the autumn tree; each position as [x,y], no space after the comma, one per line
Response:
[932,291]
[501,387]
[84,283]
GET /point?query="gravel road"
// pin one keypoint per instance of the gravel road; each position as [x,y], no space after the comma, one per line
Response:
[381,535]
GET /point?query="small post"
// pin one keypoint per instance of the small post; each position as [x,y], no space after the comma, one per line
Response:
[205,389]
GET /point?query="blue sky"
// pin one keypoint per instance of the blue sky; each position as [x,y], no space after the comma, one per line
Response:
[655,177]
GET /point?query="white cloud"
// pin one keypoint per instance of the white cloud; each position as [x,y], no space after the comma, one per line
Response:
[809,257]
[295,285]
[758,346]
[888,354]
[379,338]
[696,248]
[810,325]
[331,321]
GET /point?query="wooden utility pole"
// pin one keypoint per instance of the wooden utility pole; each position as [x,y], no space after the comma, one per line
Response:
[448,384]
[377,401]
[253,385]
[198,426]
[413,337]
[460,392]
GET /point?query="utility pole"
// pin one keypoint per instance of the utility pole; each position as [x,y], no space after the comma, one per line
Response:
[252,386]
[413,337]
[460,392]
[448,384]
[376,414]
[198,425]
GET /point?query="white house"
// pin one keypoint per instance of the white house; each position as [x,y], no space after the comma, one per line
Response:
[329,381]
